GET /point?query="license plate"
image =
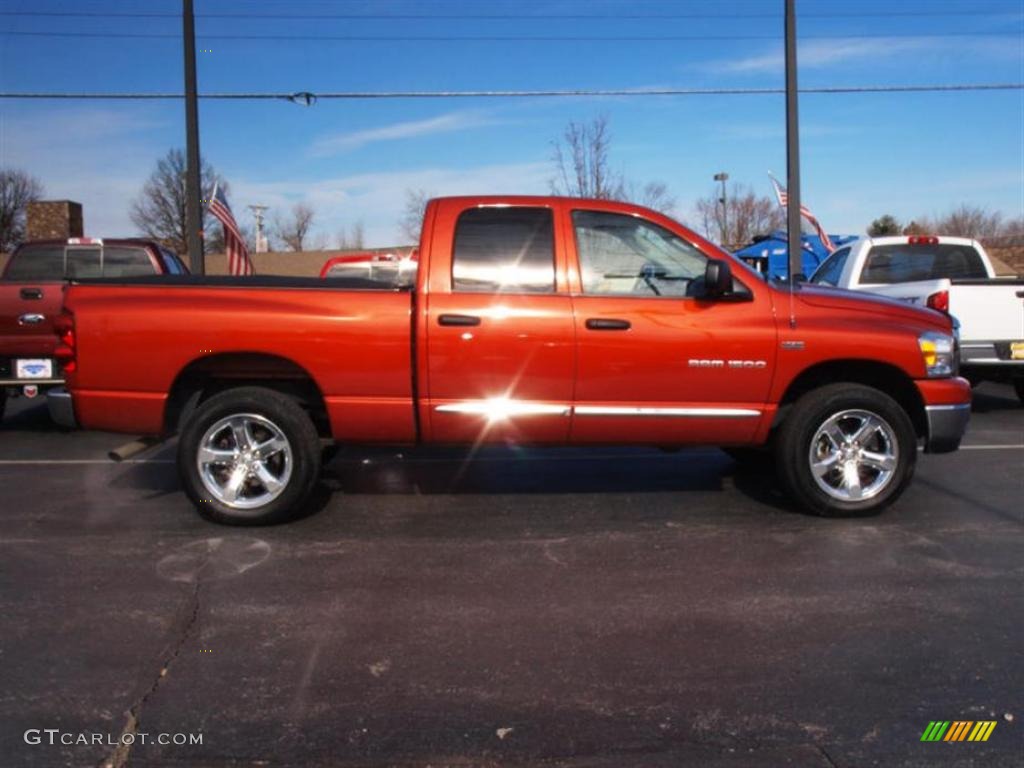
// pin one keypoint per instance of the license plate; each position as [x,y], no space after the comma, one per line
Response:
[1017,350]
[33,369]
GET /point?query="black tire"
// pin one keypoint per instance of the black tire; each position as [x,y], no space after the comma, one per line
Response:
[799,435]
[260,407]
[3,403]
[1018,387]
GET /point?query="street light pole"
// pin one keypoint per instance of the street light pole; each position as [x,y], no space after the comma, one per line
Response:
[796,262]
[724,177]
[193,211]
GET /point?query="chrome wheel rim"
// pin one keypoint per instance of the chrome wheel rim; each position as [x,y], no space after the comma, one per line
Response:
[245,461]
[854,455]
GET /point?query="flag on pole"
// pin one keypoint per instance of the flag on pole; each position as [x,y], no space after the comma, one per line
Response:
[239,262]
[805,213]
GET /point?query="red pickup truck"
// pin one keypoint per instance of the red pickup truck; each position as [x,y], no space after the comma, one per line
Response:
[533,320]
[31,289]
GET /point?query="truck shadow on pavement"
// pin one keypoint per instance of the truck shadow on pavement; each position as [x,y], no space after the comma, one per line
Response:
[508,473]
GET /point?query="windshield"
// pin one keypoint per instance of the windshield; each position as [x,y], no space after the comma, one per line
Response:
[909,262]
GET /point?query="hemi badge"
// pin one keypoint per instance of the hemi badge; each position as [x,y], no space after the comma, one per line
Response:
[792,345]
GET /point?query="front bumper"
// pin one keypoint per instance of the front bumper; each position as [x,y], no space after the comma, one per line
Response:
[61,407]
[947,409]
[946,426]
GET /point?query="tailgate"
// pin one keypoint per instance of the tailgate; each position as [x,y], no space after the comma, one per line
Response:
[27,312]
[989,310]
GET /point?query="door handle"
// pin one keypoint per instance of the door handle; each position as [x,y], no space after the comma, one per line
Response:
[31,319]
[607,324]
[31,293]
[458,320]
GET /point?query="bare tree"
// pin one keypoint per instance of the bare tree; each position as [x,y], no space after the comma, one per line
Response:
[412,214]
[17,190]
[582,165]
[744,215]
[582,160]
[159,210]
[352,238]
[970,221]
[294,230]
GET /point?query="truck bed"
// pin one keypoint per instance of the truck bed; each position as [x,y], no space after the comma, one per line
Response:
[352,337]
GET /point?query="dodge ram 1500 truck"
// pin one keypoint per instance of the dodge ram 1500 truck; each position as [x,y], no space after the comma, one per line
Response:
[31,289]
[533,320]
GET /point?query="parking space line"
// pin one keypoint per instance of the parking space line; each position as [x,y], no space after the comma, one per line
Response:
[452,460]
[1015,447]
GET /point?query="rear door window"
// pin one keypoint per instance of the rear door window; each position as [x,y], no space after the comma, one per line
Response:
[830,272]
[504,250]
[42,262]
[905,263]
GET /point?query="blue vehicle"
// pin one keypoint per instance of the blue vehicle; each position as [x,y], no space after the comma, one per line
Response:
[769,254]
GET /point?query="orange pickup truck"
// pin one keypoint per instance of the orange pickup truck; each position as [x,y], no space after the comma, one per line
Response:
[532,320]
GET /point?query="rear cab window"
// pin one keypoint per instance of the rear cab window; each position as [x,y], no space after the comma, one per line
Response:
[36,262]
[504,250]
[910,262]
[60,262]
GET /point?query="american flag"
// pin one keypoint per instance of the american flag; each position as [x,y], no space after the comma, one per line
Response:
[805,212]
[239,262]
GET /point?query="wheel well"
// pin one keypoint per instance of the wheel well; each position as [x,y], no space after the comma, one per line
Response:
[205,377]
[886,378]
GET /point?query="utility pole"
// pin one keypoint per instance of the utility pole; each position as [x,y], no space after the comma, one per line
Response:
[724,177]
[796,261]
[257,214]
[193,209]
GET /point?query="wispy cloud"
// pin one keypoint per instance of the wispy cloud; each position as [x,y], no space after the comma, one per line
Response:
[450,122]
[378,199]
[820,54]
[97,156]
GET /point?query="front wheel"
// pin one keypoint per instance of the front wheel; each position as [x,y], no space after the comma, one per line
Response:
[1018,387]
[846,450]
[3,402]
[249,456]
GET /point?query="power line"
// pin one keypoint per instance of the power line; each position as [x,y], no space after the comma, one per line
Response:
[500,38]
[523,16]
[578,93]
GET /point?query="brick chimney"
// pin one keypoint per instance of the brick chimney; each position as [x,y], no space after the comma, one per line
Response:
[53,220]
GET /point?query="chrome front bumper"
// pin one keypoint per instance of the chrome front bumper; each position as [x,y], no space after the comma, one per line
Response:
[946,426]
[62,409]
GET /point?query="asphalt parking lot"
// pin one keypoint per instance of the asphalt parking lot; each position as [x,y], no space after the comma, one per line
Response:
[551,607]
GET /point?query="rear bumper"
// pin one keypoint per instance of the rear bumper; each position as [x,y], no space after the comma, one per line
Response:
[61,407]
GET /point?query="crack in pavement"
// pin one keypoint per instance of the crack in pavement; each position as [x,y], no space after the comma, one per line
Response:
[119,757]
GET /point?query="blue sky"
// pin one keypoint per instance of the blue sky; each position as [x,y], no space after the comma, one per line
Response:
[862,155]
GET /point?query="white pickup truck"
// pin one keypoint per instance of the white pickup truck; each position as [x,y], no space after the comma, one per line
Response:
[950,274]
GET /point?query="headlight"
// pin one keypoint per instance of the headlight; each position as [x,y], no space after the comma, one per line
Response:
[939,353]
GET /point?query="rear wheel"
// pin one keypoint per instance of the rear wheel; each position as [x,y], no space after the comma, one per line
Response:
[249,456]
[1018,386]
[846,450]
[3,402]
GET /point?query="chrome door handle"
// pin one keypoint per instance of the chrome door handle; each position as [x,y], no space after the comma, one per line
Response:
[31,319]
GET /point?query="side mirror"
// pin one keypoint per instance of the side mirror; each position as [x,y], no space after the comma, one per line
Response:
[717,279]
